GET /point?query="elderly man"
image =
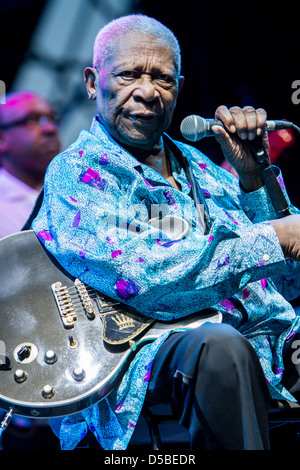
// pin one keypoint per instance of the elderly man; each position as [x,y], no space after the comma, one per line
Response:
[101,196]
[29,139]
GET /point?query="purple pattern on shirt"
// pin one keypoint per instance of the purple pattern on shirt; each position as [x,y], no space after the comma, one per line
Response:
[127,289]
[170,198]
[205,192]
[82,253]
[76,220]
[202,166]
[245,293]
[45,235]
[92,178]
[167,244]
[148,184]
[224,262]
[227,304]
[230,217]
[264,283]
[104,159]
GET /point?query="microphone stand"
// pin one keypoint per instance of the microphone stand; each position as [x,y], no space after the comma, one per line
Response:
[274,189]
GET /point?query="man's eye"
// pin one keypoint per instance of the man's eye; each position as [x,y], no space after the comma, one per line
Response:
[128,74]
[164,78]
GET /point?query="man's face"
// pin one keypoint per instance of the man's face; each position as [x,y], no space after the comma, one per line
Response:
[137,89]
[30,145]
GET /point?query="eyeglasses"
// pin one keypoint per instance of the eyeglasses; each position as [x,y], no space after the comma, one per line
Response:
[32,120]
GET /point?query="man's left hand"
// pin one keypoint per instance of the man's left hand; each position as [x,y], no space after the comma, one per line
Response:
[241,126]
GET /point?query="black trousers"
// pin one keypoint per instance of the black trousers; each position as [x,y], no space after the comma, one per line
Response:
[213,377]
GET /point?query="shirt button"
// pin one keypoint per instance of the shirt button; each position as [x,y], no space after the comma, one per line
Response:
[266,257]
[247,208]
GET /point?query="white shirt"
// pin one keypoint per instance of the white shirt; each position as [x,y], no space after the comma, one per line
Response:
[16,202]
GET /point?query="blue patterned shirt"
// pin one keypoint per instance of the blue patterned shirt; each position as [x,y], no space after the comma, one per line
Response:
[95,221]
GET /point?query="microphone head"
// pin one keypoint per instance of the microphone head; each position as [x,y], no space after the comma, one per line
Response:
[194,128]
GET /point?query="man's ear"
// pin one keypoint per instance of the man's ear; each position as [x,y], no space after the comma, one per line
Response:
[90,79]
[180,82]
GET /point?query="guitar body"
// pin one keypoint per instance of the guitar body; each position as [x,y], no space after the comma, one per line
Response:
[54,361]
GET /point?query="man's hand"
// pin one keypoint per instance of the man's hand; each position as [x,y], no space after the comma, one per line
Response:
[243,125]
[288,233]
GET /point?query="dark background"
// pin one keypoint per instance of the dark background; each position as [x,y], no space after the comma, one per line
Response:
[234,53]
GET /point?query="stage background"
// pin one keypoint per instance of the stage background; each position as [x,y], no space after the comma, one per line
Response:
[234,53]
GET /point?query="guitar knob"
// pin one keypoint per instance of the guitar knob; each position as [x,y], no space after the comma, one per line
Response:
[50,357]
[24,352]
[20,375]
[78,373]
[48,391]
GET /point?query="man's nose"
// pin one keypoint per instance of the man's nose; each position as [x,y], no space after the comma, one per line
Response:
[146,90]
[48,126]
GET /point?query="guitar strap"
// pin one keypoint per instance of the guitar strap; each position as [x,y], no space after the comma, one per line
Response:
[197,194]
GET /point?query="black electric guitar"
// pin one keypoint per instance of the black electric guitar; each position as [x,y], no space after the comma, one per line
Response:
[63,346]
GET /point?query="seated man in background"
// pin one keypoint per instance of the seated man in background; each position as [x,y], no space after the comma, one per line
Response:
[29,139]
[236,256]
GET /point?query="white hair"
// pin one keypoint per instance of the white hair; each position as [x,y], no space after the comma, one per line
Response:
[103,45]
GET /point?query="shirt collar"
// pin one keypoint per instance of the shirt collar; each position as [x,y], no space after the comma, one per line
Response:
[100,131]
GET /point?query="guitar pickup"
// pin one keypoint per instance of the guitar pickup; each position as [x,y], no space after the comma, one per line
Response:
[85,299]
[64,304]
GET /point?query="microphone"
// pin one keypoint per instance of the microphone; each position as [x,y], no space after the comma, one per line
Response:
[195,128]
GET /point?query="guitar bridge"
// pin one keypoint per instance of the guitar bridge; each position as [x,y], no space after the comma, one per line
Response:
[64,304]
